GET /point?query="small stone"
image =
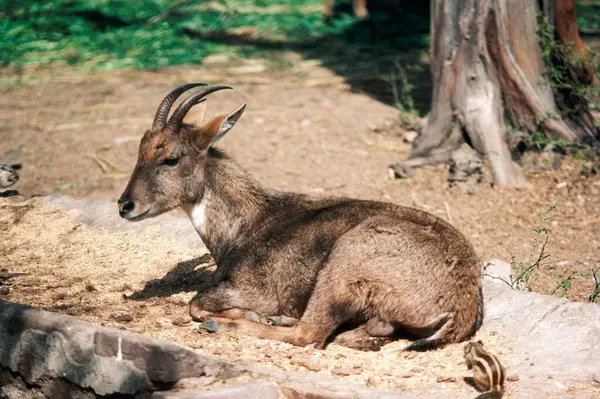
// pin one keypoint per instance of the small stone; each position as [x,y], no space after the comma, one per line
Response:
[410,136]
[181,321]
[196,345]
[4,290]
[304,123]
[89,287]
[258,121]
[306,362]
[512,378]
[405,374]
[124,318]
[313,366]
[561,185]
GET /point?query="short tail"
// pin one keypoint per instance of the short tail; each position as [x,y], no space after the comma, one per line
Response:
[449,329]
[443,328]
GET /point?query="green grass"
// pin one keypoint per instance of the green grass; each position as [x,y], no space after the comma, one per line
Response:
[149,34]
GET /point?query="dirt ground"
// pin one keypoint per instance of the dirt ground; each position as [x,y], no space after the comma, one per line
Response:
[304,130]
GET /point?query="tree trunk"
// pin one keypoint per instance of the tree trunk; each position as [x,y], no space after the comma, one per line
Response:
[490,84]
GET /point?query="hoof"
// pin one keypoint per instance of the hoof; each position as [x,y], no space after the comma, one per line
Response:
[255,317]
[423,345]
[282,321]
[209,325]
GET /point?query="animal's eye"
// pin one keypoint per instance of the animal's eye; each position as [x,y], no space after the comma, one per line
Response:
[170,161]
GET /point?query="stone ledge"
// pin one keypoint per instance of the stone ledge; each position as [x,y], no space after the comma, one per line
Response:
[38,344]
[47,354]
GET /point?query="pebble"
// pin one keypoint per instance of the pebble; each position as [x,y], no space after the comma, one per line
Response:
[89,287]
[306,362]
[181,321]
[124,318]
[410,136]
[304,123]
[4,290]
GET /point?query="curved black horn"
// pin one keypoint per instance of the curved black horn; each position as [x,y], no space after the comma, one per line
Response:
[178,115]
[160,119]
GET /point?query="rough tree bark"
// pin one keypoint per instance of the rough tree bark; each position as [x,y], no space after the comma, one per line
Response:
[489,78]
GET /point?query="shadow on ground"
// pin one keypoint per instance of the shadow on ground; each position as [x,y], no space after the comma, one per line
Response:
[192,275]
[370,54]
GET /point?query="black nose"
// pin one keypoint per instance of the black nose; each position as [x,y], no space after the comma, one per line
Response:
[126,205]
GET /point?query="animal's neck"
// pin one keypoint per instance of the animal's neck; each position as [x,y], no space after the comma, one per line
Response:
[229,205]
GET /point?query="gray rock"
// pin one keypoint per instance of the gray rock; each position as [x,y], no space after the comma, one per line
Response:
[552,336]
[38,345]
[497,270]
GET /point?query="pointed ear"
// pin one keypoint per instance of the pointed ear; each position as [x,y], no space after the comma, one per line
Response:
[195,116]
[214,130]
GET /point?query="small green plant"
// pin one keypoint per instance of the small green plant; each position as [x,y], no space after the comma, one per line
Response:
[564,285]
[523,271]
[596,292]
[560,59]
[403,92]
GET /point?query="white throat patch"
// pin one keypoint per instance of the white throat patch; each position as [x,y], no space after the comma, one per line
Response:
[197,214]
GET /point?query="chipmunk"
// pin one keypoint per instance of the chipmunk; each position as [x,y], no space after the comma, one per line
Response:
[489,374]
